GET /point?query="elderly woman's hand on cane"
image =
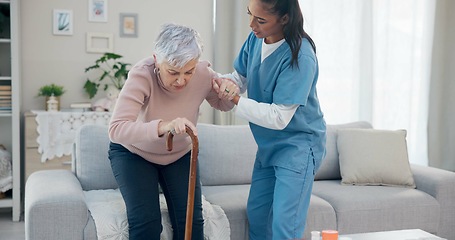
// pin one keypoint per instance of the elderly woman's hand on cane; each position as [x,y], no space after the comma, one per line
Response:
[176,126]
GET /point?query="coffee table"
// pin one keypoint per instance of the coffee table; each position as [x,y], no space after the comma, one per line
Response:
[408,234]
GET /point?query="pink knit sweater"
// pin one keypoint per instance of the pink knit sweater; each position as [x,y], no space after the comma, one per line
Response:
[143,103]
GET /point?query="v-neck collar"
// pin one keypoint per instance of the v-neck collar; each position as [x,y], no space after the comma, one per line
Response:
[269,49]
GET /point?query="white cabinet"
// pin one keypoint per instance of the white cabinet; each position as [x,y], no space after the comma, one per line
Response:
[10,99]
[32,158]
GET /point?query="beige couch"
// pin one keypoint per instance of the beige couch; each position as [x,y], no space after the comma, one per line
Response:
[55,207]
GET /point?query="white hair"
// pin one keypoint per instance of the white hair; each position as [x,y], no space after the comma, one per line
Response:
[177,44]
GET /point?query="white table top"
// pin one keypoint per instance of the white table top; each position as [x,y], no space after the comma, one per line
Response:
[408,234]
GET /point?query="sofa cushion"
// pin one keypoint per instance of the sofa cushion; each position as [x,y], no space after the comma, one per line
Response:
[92,145]
[374,157]
[90,229]
[226,154]
[330,167]
[232,199]
[379,208]
[321,215]
[108,211]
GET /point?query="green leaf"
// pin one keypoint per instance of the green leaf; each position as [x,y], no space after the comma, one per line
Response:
[91,88]
[96,66]
[112,56]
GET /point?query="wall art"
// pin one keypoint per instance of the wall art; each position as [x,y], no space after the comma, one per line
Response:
[128,25]
[62,22]
[97,10]
[100,42]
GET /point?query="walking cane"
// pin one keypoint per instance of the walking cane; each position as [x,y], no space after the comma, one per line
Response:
[191,180]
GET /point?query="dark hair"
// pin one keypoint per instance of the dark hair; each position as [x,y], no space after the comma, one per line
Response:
[293,30]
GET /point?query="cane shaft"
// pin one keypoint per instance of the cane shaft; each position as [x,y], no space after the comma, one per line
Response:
[191,179]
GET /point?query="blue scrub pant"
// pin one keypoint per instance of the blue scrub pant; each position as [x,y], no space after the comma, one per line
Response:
[278,202]
[138,182]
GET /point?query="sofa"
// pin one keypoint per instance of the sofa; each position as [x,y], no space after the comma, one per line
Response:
[55,206]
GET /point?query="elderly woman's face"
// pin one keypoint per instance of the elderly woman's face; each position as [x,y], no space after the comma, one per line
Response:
[175,79]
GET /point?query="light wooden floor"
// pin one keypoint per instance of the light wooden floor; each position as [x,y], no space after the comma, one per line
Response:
[10,230]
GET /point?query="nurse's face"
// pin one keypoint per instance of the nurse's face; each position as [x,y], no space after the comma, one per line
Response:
[175,79]
[265,24]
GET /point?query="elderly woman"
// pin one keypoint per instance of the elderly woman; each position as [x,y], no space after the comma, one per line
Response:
[162,94]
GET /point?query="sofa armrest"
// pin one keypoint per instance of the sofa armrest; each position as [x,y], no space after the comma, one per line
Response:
[55,206]
[440,184]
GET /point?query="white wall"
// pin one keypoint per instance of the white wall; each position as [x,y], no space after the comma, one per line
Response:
[48,58]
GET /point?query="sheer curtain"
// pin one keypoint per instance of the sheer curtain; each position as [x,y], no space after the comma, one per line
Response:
[375,62]
[441,128]
[230,31]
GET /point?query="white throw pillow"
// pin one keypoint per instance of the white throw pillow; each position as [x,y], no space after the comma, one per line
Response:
[374,157]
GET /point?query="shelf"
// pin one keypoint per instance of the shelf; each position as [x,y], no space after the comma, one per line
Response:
[6,202]
[10,119]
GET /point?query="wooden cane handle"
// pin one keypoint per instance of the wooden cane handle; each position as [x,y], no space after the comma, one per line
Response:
[170,138]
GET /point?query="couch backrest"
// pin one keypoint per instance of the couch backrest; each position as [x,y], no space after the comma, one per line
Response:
[330,167]
[226,154]
[90,158]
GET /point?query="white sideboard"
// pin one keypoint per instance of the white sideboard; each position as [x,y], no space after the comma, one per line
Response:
[32,158]
[49,137]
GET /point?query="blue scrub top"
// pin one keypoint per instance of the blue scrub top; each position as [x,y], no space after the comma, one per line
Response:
[275,81]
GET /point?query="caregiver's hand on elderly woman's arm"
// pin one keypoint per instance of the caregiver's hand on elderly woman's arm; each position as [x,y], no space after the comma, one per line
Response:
[226,88]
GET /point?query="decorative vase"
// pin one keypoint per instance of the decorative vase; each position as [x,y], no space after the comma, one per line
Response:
[52,103]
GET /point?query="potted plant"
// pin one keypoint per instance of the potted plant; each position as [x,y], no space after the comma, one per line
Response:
[109,67]
[52,90]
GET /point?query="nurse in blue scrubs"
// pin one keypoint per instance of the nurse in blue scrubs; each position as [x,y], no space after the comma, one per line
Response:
[278,67]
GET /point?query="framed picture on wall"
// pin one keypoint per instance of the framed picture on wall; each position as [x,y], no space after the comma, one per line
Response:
[100,42]
[97,10]
[62,22]
[128,25]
